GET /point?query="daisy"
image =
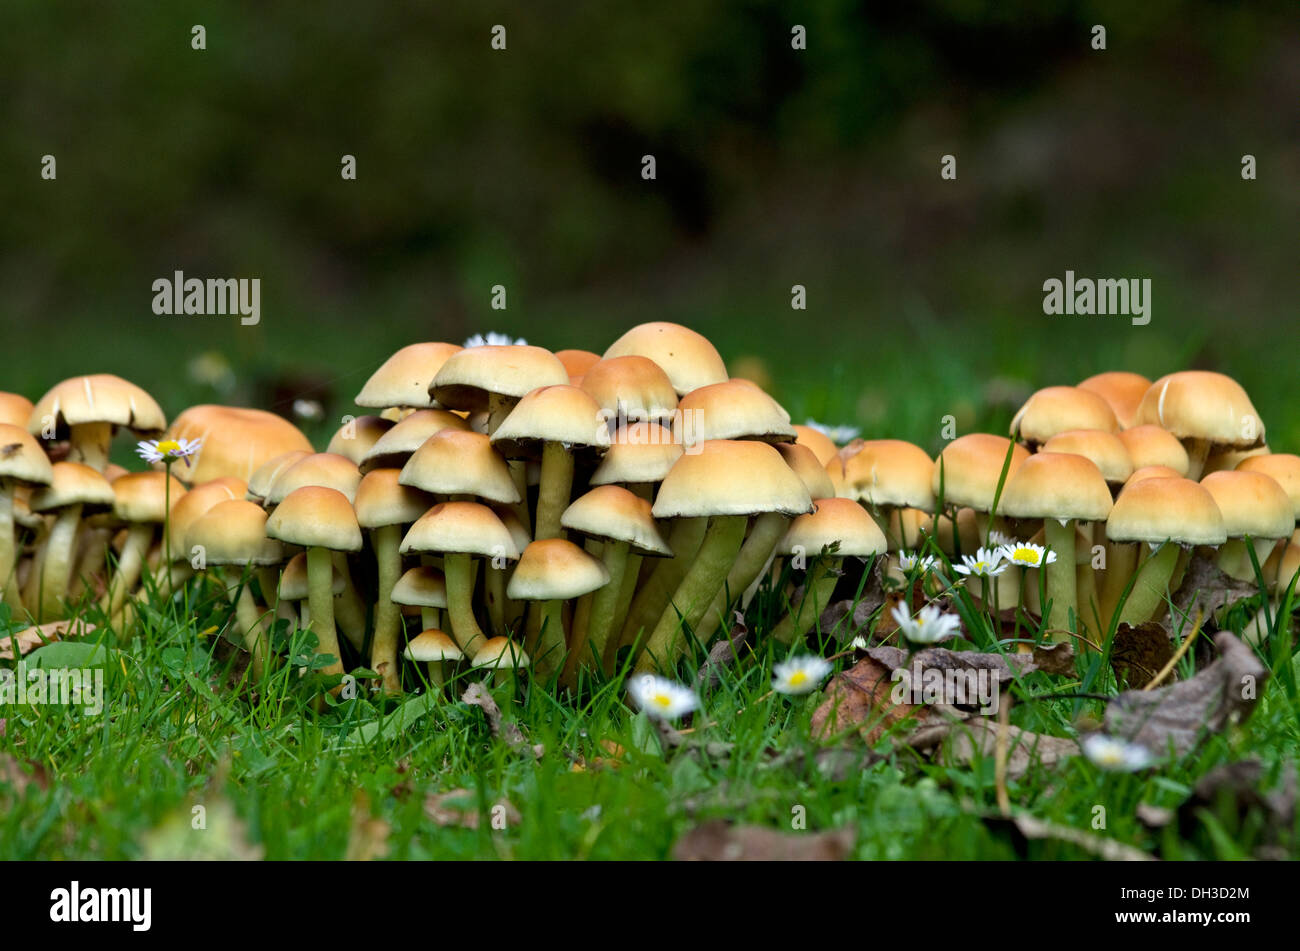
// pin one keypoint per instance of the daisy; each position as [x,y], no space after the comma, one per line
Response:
[800,674]
[1111,753]
[168,450]
[859,643]
[1001,539]
[908,560]
[493,339]
[837,434]
[662,698]
[1027,554]
[983,564]
[930,626]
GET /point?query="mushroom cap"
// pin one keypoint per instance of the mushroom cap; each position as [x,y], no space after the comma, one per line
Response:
[686,356]
[1160,510]
[560,413]
[382,500]
[731,477]
[326,469]
[22,458]
[399,443]
[72,483]
[432,646]
[236,441]
[823,446]
[970,467]
[1058,485]
[295,585]
[469,377]
[552,569]
[15,410]
[421,586]
[1222,458]
[98,398]
[840,521]
[354,439]
[194,503]
[612,512]
[733,409]
[1282,467]
[1106,450]
[891,472]
[1055,409]
[260,482]
[1198,404]
[403,379]
[1154,472]
[142,496]
[638,452]
[1150,445]
[467,528]
[234,533]
[456,462]
[1122,390]
[811,473]
[1251,503]
[500,651]
[515,527]
[315,516]
[631,388]
[577,363]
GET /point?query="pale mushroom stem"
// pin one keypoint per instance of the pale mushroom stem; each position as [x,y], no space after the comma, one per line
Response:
[1198,451]
[817,590]
[57,567]
[549,655]
[348,605]
[600,622]
[648,605]
[1062,589]
[89,444]
[460,603]
[8,549]
[437,674]
[320,600]
[129,567]
[430,619]
[627,590]
[499,408]
[1086,587]
[753,558]
[1234,557]
[249,619]
[494,593]
[703,580]
[554,490]
[388,616]
[1121,563]
[1149,589]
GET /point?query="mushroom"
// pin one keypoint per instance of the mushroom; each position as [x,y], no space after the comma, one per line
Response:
[141,500]
[93,407]
[437,650]
[74,488]
[235,441]
[1055,409]
[686,356]
[631,389]
[295,585]
[577,363]
[174,566]
[22,463]
[502,656]
[356,438]
[1150,445]
[1284,469]
[425,588]
[550,572]
[395,447]
[886,475]
[1106,451]
[403,379]
[1257,513]
[1206,411]
[973,470]
[823,446]
[1122,390]
[15,410]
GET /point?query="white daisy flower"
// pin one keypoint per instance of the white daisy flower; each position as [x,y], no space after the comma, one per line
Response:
[859,643]
[1027,554]
[837,434]
[983,564]
[1001,539]
[662,698]
[1112,753]
[909,560]
[168,450]
[493,339]
[930,626]
[800,674]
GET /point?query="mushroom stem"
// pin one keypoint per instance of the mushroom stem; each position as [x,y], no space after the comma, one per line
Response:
[1149,588]
[494,593]
[706,576]
[1062,589]
[627,590]
[460,602]
[1198,451]
[604,608]
[129,566]
[1234,557]
[684,540]
[549,653]
[320,601]
[1089,607]
[437,674]
[8,549]
[89,444]
[249,619]
[348,606]
[818,587]
[431,619]
[499,408]
[554,490]
[1121,563]
[754,554]
[388,616]
[57,566]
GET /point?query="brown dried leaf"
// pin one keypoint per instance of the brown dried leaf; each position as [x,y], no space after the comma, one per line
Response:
[719,841]
[860,697]
[458,808]
[962,742]
[1139,653]
[1207,589]
[30,638]
[477,695]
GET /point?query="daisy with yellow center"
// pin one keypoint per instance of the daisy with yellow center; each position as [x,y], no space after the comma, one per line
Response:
[662,698]
[800,675]
[168,450]
[983,564]
[1115,755]
[1027,555]
[930,626]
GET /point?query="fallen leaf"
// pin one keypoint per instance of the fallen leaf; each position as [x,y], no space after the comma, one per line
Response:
[477,695]
[458,808]
[20,775]
[719,841]
[1235,788]
[1139,653]
[1030,828]
[861,697]
[1207,589]
[960,743]
[31,638]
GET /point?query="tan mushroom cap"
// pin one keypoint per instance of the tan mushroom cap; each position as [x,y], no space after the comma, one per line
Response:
[421,587]
[22,458]
[355,438]
[1150,445]
[1122,390]
[1283,563]
[688,358]
[1154,472]
[577,363]
[1057,485]
[194,504]
[432,646]
[1282,467]
[1252,504]
[891,472]
[142,496]
[72,483]
[970,467]
[468,378]
[553,569]
[458,462]
[398,444]
[1106,450]
[1160,510]
[561,414]
[467,528]
[823,446]
[1055,409]
[612,512]
[500,652]
[840,521]
[234,533]
[731,477]
[382,500]
[326,469]
[403,379]
[260,482]
[631,388]
[811,473]
[98,398]
[1198,404]
[638,452]
[510,520]
[15,410]
[315,516]
[295,583]
[236,441]
[733,409]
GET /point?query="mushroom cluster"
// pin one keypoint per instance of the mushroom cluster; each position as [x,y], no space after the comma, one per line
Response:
[506,508]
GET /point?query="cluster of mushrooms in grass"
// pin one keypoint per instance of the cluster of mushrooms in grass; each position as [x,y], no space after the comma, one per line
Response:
[503,507]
